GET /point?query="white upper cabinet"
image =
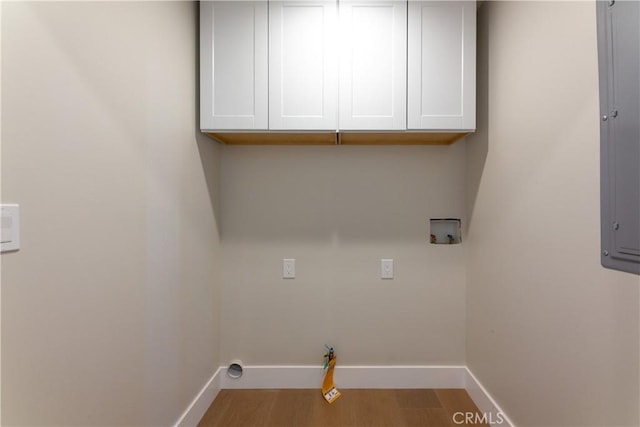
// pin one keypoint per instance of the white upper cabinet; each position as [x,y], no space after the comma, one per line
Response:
[303,69]
[373,65]
[334,65]
[441,65]
[233,65]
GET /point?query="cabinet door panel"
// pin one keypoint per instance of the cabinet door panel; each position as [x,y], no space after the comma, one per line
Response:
[373,38]
[441,65]
[234,65]
[302,65]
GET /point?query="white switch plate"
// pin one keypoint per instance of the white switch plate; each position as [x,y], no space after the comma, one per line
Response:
[10,228]
[386,268]
[288,268]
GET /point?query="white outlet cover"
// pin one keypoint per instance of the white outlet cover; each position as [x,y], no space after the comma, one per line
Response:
[288,268]
[386,268]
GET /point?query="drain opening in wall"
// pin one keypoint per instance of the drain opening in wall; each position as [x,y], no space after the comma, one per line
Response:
[235,370]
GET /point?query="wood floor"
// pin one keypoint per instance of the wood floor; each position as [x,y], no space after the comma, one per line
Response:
[307,408]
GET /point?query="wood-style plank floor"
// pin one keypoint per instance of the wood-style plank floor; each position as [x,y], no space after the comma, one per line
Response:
[356,408]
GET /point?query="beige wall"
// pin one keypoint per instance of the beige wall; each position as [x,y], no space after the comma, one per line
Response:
[551,334]
[0,200]
[338,210]
[110,309]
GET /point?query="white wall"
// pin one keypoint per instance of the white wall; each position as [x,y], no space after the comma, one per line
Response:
[338,210]
[551,334]
[110,309]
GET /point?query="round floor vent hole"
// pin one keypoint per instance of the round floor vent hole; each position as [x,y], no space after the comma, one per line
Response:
[234,370]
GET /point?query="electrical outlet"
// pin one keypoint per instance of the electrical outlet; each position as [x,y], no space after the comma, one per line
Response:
[386,267]
[288,268]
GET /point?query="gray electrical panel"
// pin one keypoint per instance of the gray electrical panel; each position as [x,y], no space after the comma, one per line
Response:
[619,67]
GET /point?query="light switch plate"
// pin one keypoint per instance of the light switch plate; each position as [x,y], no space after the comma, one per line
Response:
[386,268]
[10,219]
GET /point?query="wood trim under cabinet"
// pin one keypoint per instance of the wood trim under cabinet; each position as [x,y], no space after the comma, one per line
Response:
[275,138]
[333,138]
[400,138]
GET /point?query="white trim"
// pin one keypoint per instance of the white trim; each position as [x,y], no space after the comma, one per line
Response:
[485,403]
[198,407]
[263,376]
[348,377]
[400,376]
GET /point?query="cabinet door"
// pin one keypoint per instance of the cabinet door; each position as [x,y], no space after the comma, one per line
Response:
[373,70]
[303,68]
[441,65]
[233,65]
[619,60]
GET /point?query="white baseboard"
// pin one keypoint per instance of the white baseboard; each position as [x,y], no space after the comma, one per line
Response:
[484,401]
[199,405]
[259,376]
[346,377]
[400,376]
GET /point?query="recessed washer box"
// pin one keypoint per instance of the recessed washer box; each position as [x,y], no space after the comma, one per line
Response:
[446,231]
